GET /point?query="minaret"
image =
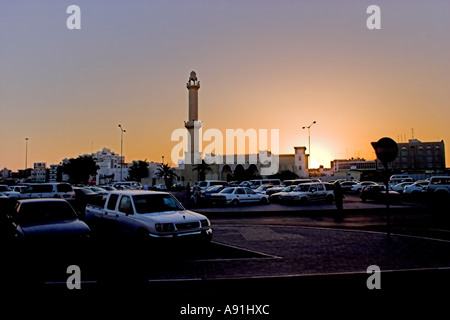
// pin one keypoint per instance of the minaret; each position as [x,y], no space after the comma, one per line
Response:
[193,125]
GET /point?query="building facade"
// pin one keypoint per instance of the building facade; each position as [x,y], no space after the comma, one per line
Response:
[416,155]
[111,166]
[39,172]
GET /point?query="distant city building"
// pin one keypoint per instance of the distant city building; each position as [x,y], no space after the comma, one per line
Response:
[416,155]
[352,168]
[110,164]
[54,173]
[39,172]
[6,174]
[352,164]
[320,172]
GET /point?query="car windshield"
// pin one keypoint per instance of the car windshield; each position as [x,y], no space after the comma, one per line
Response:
[227,190]
[98,189]
[214,189]
[84,191]
[156,203]
[42,212]
[302,187]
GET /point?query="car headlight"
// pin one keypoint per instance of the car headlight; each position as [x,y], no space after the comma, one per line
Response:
[205,223]
[164,227]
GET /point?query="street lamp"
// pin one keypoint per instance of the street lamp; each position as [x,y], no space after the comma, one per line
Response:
[121,147]
[309,141]
[26,152]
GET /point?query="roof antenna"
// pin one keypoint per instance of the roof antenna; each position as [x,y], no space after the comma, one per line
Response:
[412,130]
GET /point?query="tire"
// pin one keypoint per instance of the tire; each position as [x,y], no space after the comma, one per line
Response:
[235,202]
[263,201]
[303,201]
[329,199]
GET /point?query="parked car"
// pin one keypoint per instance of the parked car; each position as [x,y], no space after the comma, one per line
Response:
[415,189]
[262,189]
[17,188]
[160,187]
[347,185]
[399,187]
[148,215]
[238,195]
[275,197]
[205,195]
[398,178]
[358,187]
[109,188]
[99,190]
[177,187]
[128,184]
[48,190]
[309,192]
[42,219]
[280,188]
[438,187]
[8,192]
[209,183]
[259,182]
[378,193]
[83,197]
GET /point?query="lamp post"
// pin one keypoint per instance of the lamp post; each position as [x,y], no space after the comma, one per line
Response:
[121,147]
[26,152]
[309,141]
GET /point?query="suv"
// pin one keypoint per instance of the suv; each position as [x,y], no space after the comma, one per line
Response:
[440,185]
[48,190]
[309,192]
[209,183]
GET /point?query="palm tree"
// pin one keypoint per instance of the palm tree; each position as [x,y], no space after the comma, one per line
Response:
[202,169]
[166,172]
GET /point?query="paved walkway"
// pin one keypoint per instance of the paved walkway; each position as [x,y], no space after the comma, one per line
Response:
[290,251]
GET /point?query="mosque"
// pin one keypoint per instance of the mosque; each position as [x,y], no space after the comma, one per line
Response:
[296,163]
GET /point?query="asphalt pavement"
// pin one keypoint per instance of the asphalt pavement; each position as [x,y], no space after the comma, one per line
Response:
[287,257]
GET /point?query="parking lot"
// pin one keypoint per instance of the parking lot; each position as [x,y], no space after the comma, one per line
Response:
[259,254]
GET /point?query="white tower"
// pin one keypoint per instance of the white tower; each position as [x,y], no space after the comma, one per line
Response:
[193,125]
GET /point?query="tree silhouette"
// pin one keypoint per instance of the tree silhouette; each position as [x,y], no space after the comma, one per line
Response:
[166,172]
[202,169]
[138,170]
[80,169]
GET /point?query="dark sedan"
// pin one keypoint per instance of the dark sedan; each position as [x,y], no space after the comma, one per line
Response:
[83,197]
[378,193]
[48,219]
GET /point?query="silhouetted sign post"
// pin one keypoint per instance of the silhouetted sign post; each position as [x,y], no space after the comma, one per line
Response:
[386,150]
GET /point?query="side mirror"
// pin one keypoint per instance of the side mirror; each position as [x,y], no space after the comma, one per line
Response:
[129,211]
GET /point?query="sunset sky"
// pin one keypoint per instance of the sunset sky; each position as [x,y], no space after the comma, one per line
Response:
[262,64]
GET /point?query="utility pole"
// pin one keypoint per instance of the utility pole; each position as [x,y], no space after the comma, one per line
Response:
[309,142]
[121,146]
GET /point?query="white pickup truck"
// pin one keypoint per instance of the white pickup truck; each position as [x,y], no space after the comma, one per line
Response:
[148,214]
[308,192]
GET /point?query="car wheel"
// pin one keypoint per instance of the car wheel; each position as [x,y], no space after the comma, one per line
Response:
[235,202]
[263,201]
[303,201]
[329,199]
